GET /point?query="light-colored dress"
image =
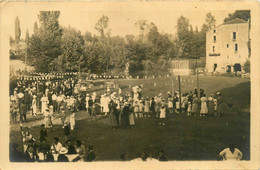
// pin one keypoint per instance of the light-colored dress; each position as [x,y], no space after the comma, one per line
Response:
[72,121]
[106,107]
[47,118]
[163,113]
[147,106]
[34,106]
[44,101]
[204,107]
[87,99]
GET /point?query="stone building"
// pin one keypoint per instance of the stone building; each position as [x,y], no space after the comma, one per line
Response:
[227,46]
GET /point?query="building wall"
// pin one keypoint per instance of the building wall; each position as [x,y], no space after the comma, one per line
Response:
[225,46]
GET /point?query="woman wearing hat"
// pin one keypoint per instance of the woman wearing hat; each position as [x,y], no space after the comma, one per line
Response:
[125,115]
[211,105]
[204,107]
[62,157]
[147,107]
[195,105]
[44,101]
[34,106]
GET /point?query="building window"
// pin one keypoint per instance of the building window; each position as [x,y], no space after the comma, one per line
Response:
[214,31]
[236,47]
[227,45]
[213,48]
[239,56]
[227,56]
[234,35]
[214,38]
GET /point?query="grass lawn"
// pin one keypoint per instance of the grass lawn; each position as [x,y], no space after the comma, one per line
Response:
[183,138]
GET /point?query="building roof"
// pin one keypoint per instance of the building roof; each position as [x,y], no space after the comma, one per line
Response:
[235,21]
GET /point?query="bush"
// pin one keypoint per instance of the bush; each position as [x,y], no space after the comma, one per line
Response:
[247,66]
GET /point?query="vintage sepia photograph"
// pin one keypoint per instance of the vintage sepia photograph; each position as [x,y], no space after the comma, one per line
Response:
[128,82]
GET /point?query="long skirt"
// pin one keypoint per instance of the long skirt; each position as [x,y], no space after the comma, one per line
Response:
[124,120]
[195,108]
[204,108]
[34,108]
[131,118]
[44,106]
[220,108]
[113,121]
[211,108]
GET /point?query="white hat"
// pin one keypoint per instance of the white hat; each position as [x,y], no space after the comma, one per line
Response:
[63,150]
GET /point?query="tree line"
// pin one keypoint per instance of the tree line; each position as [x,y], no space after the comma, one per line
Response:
[54,48]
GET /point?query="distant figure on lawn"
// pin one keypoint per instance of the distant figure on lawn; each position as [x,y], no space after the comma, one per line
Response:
[231,153]
[161,156]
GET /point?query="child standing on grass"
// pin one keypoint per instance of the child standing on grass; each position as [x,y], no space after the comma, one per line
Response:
[72,120]
[162,115]
[146,107]
[170,105]
[66,130]
[136,108]
[189,109]
[43,133]
[141,108]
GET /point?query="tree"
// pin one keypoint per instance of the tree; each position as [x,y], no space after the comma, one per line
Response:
[35,28]
[183,37]
[210,21]
[27,36]
[246,67]
[102,26]
[17,30]
[241,14]
[72,44]
[45,46]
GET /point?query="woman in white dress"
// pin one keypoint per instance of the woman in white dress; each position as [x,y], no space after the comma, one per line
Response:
[106,102]
[34,106]
[87,104]
[44,101]
[204,107]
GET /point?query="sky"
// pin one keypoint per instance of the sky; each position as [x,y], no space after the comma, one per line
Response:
[122,15]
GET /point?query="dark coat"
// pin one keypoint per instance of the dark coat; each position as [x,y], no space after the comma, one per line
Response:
[71,150]
[62,158]
[91,156]
[43,135]
[27,157]
[125,116]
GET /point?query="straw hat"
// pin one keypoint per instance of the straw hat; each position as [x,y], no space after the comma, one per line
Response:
[63,150]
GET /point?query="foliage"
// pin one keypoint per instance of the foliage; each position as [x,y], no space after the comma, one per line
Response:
[241,14]
[17,30]
[55,48]
[246,67]
[45,45]
[102,25]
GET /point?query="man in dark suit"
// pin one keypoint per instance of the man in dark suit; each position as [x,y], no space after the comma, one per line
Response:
[27,100]
[91,156]
[30,155]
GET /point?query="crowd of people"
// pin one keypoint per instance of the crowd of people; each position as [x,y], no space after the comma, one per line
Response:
[41,151]
[62,97]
